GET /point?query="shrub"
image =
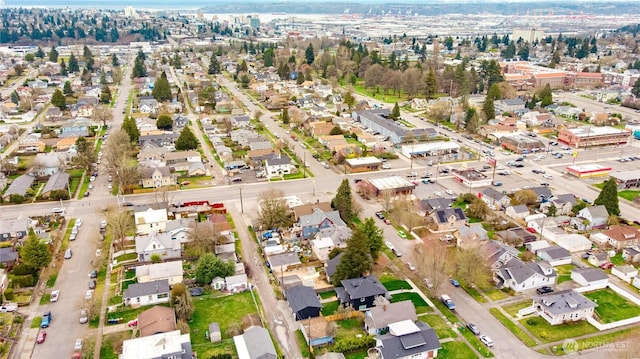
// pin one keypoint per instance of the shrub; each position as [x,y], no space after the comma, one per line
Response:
[532,322]
[22,281]
[23,269]
[8,293]
[351,344]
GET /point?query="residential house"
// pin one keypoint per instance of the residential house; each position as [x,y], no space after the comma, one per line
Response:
[78,127]
[156,177]
[516,236]
[31,144]
[406,340]
[543,192]
[196,169]
[240,121]
[255,343]
[166,139]
[281,262]
[46,164]
[319,219]
[163,345]
[53,114]
[564,204]
[378,319]
[631,254]
[521,276]
[59,181]
[555,255]
[517,212]
[172,158]
[360,293]
[19,186]
[171,271]
[278,166]
[470,235]
[563,306]
[495,198]
[141,294]
[321,247]
[156,243]
[159,319]
[303,301]
[338,235]
[448,219]
[622,236]
[626,272]
[147,104]
[8,256]
[309,208]
[151,220]
[179,229]
[12,229]
[427,206]
[590,277]
[597,259]
[591,217]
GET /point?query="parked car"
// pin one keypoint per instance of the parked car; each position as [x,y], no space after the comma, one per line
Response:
[84,319]
[608,265]
[411,266]
[544,290]
[77,346]
[92,284]
[54,296]
[454,282]
[46,320]
[380,215]
[42,336]
[473,328]
[428,282]
[8,307]
[93,274]
[486,341]
[402,234]
[386,221]
[389,245]
[396,252]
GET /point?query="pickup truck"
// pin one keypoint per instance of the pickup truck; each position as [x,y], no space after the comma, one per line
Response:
[8,307]
[448,302]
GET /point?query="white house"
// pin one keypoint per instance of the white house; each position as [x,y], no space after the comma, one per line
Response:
[625,272]
[141,294]
[162,345]
[555,255]
[589,276]
[573,242]
[171,271]
[237,283]
[157,243]
[151,220]
[521,276]
[278,166]
[517,212]
[322,247]
[563,306]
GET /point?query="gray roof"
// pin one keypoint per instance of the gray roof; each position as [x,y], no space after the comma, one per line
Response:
[214,327]
[149,288]
[283,259]
[319,215]
[57,181]
[555,252]
[19,185]
[565,198]
[301,297]
[493,194]
[543,192]
[566,301]
[164,239]
[435,203]
[393,347]
[472,231]
[278,160]
[259,344]
[521,271]
[363,287]
[332,264]
[520,208]
[179,223]
[598,211]
[382,316]
[13,225]
[591,274]
[331,355]
[443,215]
[8,254]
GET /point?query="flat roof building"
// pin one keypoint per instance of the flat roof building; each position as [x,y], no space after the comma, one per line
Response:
[586,171]
[589,136]
[627,179]
[362,164]
[471,178]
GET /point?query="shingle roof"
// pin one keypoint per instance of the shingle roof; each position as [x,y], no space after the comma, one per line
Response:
[301,297]
[57,181]
[409,344]
[332,264]
[443,215]
[319,215]
[141,289]
[591,274]
[156,320]
[555,252]
[566,301]
[382,316]
[363,287]
[19,186]
[259,344]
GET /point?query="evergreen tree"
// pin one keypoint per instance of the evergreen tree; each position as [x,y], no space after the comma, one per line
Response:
[395,113]
[309,55]
[471,120]
[164,122]
[187,140]
[161,89]
[431,85]
[58,99]
[488,106]
[177,61]
[285,116]
[53,55]
[15,98]
[636,88]
[129,126]
[349,100]
[139,70]
[243,66]
[105,94]
[73,64]
[114,60]
[546,96]
[63,68]
[343,201]
[39,53]
[267,57]
[66,89]
[356,260]
[34,252]
[374,236]
[608,197]
[214,66]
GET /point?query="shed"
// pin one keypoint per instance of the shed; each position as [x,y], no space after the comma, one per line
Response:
[214,332]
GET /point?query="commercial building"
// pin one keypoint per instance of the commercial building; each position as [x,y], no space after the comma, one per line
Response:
[587,171]
[521,144]
[430,149]
[471,178]
[627,179]
[590,136]
[394,185]
[363,164]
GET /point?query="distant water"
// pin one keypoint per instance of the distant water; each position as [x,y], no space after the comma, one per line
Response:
[109,4]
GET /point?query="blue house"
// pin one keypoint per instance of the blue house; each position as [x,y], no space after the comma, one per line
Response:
[318,220]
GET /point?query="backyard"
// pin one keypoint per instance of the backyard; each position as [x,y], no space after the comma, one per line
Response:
[564,273]
[612,307]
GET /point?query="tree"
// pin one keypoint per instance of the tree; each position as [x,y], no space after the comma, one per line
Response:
[66,89]
[63,68]
[636,88]
[214,66]
[209,266]
[273,212]
[524,196]
[285,116]
[349,100]
[86,155]
[552,210]
[187,140]
[472,122]
[105,94]
[161,89]
[34,252]
[478,209]
[53,55]
[343,201]
[120,223]
[395,113]
[114,60]
[374,236]
[59,100]
[202,238]
[15,98]
[431,85]
[103,114]
[181,302]
[488,106]
[118,153]
[39,53]
[164,122]
[73,64]
[546,96]
[268,57]
[472,267]
[309,55]
[608,197]
[435,261]
[356,260]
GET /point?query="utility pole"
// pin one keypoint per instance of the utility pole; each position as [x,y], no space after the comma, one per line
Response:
[241,204]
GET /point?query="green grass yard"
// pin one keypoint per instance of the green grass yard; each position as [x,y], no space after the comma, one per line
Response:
[395,284]
[513,309]
[516,330]
[548,333]
[418,302]
[330,308]
[564,273]
[442,329]
[456,349]
[612,307]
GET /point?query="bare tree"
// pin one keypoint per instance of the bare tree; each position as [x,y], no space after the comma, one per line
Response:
[387,199]
[120,222]
[103,114]
[435,263]
[273,212]
[473,267]
[117,158]
[202,238]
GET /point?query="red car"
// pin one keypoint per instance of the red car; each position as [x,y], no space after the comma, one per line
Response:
[532,230]
[607,266]
[42,335]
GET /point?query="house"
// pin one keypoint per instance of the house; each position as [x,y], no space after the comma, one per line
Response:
[215,335]
[163,345]
[282,261]
[303,301]
[12,229]
[321,248]
[448,219]
[255,343]
[377,319]
[59,181]
[563,306]
[151,220]
[543,192]
[572,242]
[625,272]
[331,265]
[406,340]
[516,236]
[31,144]
[171,271]
[156,177]
[555,255]
[495,198]
[427,206]
[631,254]
[8,256]
[141,294]
[19,186]
[470,235]
[360,293]
[338,235]
[590,276]
[156,243]
[158,319]
[622,236]
[517,212]
[319,219]
[236,283]
[46,164]
[179,229]
[599,258]
[521,276]
[591,217]
[564,204]
[278,166]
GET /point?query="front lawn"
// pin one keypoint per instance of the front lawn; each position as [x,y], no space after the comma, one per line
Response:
[516,330]
[548,333]
[418,302]
[456,349]
[395,284]
[612,307]
[442,329]
[473,340]
[330,308]
[494,293]
[513,309]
